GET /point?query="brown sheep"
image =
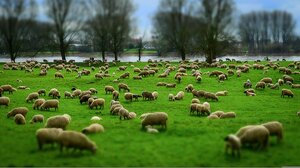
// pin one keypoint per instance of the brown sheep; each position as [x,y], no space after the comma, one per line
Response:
[287,92]
[32,96]
[211,96]
[261,85]
[124,87]
[147,95]
[37,118]
[19,119]
[109,89]
[58,75]
[171,85]
[37,103]
[125,75]
[18,110]
[233,142]
[128,96]
[115,95]
[156,118]
[98,102]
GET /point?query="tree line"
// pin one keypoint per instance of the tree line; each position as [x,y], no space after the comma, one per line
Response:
[187,27]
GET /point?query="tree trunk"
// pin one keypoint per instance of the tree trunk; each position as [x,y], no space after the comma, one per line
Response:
[182,55]
[140,52]
[116,56]
[62,49]
[103,56]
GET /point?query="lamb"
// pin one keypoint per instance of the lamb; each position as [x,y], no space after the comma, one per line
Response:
[156,118]
[217,113]
[287,92]
[274,128]
[58,75]
[132,115]
[228,115]
[128,96]
[233,142]
[238,73]
[123,113]
[124,87]
[151,130]
[68,95]
[93,128]
[19,119]
[179,95]
[195,100]
[50,104]
[261,85]
[37,103]
[58,121]
[155,95]
[222,93]
[266,80]
[98,102]
[109,89]
[18,110]
[212,116]
[211,96]
[296,86]
[256,135]
[47,136]
[76,140]
[171,97]
[37,118]
[32,96]
[4,101]
[90,101]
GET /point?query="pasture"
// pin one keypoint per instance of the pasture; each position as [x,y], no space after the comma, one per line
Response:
[188,140]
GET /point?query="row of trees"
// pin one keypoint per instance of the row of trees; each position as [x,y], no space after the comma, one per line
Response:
[184,26]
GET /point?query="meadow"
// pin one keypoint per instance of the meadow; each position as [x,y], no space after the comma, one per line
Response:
[188,141]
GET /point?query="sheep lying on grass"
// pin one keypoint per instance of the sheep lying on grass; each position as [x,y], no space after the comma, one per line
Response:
[228,115]
[217,113]
[156,118]
[222,93]
[18,110]
[19,119]
[233,142]
[93,128]
[37,118]
[213,116]
[47,136]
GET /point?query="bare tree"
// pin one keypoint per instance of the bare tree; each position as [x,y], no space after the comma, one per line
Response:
[65,16]
[172,23]
[215,18]
[140,45]
[16,18]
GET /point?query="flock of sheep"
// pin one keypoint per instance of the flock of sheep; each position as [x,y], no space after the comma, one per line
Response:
[55,127]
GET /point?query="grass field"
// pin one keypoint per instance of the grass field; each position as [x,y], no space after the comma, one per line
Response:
[189,141]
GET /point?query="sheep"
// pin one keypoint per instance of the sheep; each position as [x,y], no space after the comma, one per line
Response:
[4,101]
[37,103]
[109,89]
[83,93]
[179,95]
[228,115]
[37,118]
[242,130]
[136,96]
[7,88]
[47,136]
[202,110]
[90,101]
[19,119]
[161,84]
[50,104]
[96,118]
[280,82]
[155,95]
[193,108]
[274,128]
[54,93]
[195,100]
[113,107]
[84,98]
[171,85]
[132,115]
[68,95]
[76,140]
[287,78]
[93,128]
[98,102]
[207,106]
[222,77]
[261,85]
[212,116]
[125,75]
[222,93]
[76,93]
[287,92]
[233,142]
[115,95]
[124,87]
[18,110]
[151,130]
[199,78]
[156,118]
[147,95]
[211,96]
[93,90]
[256,135]
[112,102]
[58,75]
[137,78]
[296,86]
[266,80]
[171,97]
[116,110]
[238,73]
[128,96]
[123,113]
[98,76]
[42,92]
[58,121]
[248,93]
[217,113]
[23,87]
[32,96]
[189,88]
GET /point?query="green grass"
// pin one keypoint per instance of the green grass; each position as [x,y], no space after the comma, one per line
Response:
[189,141]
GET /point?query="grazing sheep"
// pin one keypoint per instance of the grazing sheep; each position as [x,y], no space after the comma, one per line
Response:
[116,110]
[266,80]
[202,110]
[109,89]
[19,119]
[76,140]
[256,135]
[76,92]
[171,97]
[4,101]
[280,82]
[54,93]
[132,115]
[179,95]
[98,76]
[238,73]
[125,75]
[195,100]
[93,128]
[58,75]
[247,84]
[68,95]
[32,96]
[47,136]
[50,104]
[136,97]
[211,96]
[124,87]
[288,78]
[222,77]
[161,84]
[171,85]
[147,95]
[199,78]
[274,128]
[128,96]
[18,110]
[124,113]
[84,98]
[189,88]
[115,95]
[212,116]
[151,130]
[113,107]
[222,93]
[287,92]
[137,78]
[261,85]
[217,113]
[206,105]
[7,88]
[90,101]
[296,86]
[112,102]
[58,121]
[228,115]
[98,102]
[233,142]
[83,93]
[273,86]
[37,103]
[156,118]
[193,108]
[37,118]
[155,95]
[93,90]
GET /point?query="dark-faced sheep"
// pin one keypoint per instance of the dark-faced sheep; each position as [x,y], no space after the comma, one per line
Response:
[125,75]
[42,92]
[18,110]
[115,95]
[37,103]
[147,95]
[128,96]
[260,85]
[211,96]
[156,118]
[124,87]
[84,98]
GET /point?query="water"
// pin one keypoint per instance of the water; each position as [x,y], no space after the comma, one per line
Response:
[145,58]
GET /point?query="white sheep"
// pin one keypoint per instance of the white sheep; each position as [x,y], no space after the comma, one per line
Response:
[132,115]
[274,128]
[19,119]
[195,100]
[155,95]
[207,106]
[213,116]
[233,142]
[218,113]
[151,130]
[37,118]
[47,136]
[222,93]
[156,118]
[123,113]
[76,140]
[58,121]
[93,128]
[96,118]
[256,135]
[179,95]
